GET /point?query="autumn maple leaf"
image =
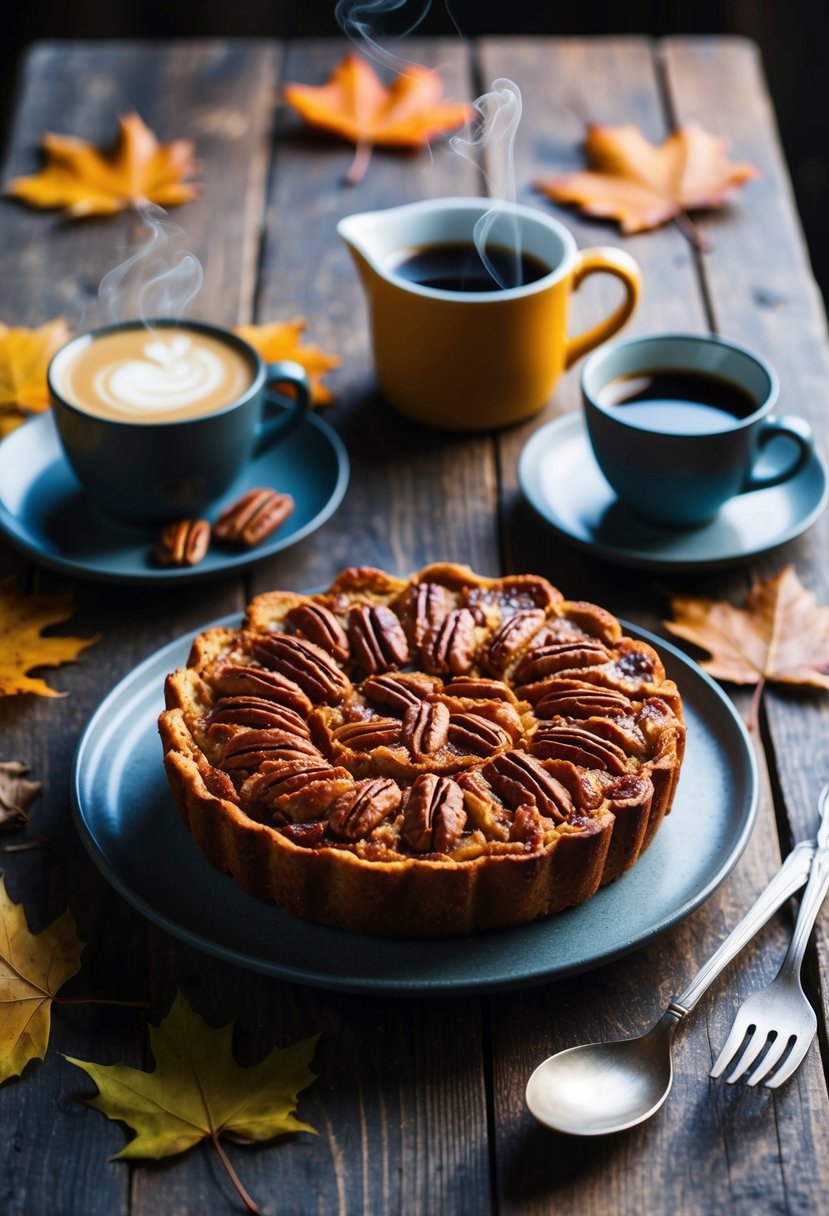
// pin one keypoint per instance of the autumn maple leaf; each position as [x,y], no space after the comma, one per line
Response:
[33,967]
[24,358]
[643,185]
[780,635]
[22,617]
[198,1092]
[283,340]
[356,104]
[84,180]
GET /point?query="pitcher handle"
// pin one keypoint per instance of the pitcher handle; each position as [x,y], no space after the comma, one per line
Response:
[608,260]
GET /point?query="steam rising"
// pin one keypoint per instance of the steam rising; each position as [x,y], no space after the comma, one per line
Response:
[358,19]
[159,280]
[492,142]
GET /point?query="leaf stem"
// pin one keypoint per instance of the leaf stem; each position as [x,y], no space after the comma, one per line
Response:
[754,711]
[234,1177]
[691,232]
[357,169]
[98,1000]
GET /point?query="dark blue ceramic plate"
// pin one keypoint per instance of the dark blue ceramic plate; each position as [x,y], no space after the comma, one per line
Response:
[44,511]
[128,821]
[562,481]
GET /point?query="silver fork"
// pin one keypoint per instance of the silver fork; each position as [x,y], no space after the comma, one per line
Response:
[780,1014]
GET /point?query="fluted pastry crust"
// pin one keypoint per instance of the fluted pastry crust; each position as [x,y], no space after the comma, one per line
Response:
[424,757]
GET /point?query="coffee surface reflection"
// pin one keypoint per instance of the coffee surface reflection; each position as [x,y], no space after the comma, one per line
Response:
[458,266]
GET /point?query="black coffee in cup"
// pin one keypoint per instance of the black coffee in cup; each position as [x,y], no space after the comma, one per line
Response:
[458,266]
[678,401]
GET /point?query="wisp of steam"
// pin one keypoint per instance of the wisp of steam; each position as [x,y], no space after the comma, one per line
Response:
[358,19]
[492,143]
[159,280]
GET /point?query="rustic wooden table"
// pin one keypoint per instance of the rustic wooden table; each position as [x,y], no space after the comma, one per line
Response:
[419,1102]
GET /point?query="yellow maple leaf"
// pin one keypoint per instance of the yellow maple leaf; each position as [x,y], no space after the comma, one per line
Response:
[283,340]
[84,180]
[33,967]
[356,104]
[197,1091]
[24,358]
[22,647]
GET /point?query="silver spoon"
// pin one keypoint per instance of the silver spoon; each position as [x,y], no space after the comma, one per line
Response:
[599,1088]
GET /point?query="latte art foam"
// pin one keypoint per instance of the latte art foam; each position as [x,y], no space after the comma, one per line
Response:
[141,375]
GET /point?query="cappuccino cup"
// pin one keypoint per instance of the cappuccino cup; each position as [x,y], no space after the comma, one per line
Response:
[681,423]
[158,418]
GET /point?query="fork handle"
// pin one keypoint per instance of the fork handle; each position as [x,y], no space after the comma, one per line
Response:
[810,905]
[789,878]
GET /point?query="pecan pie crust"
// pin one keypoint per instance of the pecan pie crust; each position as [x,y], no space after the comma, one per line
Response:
[423,757]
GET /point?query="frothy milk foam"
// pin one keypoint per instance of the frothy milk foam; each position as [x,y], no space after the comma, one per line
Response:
[152,375]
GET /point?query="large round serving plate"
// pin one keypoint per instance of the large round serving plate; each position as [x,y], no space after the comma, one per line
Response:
[129,823]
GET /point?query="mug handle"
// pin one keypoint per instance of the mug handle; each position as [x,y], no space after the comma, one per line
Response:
[608,260]
[289,410]
[792,427]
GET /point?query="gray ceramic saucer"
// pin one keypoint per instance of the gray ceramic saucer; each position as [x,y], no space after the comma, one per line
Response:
[128,821]
[44,511]
[560,478]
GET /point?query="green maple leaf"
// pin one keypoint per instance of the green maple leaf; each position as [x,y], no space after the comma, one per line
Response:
[197,1091]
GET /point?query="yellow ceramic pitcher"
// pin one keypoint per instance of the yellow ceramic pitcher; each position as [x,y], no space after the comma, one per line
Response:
[468,360]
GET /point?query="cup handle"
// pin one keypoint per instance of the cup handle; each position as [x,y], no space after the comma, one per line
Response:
[608,260]
[792,427]
[289,411]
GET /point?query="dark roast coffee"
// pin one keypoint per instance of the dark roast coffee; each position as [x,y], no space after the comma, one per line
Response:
[678,402]
[458,266]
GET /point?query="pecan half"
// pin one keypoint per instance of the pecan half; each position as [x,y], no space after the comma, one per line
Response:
[579,746]
[355,814]
[257,712]
[432,603]
[473,733]
[451,647]
[512,636]
[298,789]
[320,626]
[183,543]
[518,779]
[479,689]
[305,663]
[253,517]
[434,818]
[247,750]
[308,835]
[368,733]
[560,656]
[425,727]
[235,679]
[377,638]
[569,699]
[397,691]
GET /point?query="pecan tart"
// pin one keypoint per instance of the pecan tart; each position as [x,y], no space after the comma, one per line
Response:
[423,757]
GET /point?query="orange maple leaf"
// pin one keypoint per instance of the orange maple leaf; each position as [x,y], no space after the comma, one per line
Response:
[24,358]
[643,185]
[22,617]
[357,105]
[84,180]
[283,340]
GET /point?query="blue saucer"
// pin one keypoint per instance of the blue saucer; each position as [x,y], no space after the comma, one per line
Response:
[44,511]
[560,478]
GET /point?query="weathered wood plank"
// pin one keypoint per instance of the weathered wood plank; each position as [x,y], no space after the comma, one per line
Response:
[220,94]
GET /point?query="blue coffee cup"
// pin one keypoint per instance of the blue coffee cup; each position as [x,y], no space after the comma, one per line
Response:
[142,470]
[681,423]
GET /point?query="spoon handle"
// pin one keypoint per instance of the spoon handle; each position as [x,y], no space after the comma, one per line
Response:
[789,878]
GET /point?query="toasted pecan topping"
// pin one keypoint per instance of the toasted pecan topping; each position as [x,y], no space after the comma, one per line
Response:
[526,828]
[518,779]
[234,679]
[571,699]
[434,818]
[451,646]
[472,733]
[368,733]
[431,604]
[377,638]
[247,750]
[320,626]
[355,814]
[579,746]
[512,636]
[253,517]
[183,543]
[425,727]
[560,656]
[398,690]
[257,712]
[305,663]
[298,789]
[479,688]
